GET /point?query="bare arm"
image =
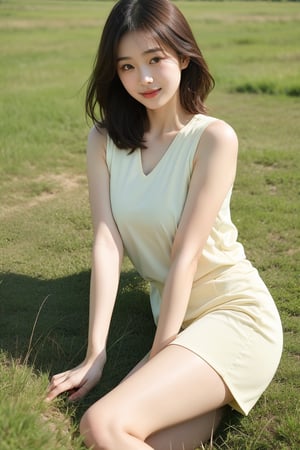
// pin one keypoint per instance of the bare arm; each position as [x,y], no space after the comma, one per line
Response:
[107,248]
[213,175]
[106,265]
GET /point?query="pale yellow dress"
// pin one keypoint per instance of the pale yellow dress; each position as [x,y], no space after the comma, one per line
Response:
[231,320]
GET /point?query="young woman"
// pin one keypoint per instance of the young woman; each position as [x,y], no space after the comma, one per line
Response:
[160,175]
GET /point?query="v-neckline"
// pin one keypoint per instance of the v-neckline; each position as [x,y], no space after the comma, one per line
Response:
[146,175]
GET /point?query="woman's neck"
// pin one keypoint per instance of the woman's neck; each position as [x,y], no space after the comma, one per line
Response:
[168,119]
[161,124]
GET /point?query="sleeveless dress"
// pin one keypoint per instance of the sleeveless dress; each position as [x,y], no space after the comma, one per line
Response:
[231,319]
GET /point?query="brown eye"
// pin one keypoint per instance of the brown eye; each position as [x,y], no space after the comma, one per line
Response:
[155,60]
[126,67]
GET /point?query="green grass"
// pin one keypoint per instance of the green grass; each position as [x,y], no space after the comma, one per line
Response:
[47,49]
[27,422]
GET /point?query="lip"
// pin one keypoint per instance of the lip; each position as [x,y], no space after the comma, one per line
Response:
[151,94]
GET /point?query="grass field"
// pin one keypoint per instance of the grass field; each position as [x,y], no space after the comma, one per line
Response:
[47,49]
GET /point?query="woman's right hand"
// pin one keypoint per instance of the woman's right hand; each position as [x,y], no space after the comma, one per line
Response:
[78,381]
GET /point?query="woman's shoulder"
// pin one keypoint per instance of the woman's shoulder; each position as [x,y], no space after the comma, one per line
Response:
[212,123]
[218,136]
[97,141]
[215,128]
[97,135]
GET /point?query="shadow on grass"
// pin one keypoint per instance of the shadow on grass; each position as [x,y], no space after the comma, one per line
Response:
[57,341]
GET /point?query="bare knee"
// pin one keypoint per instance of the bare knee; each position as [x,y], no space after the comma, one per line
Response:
[99,430]
[90,432]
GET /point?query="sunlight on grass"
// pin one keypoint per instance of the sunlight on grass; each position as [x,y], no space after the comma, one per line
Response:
[26,420]
[47,50]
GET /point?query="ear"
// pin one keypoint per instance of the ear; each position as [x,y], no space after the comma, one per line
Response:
[184,62]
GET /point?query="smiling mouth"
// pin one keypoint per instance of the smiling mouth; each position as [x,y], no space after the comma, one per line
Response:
[151,94]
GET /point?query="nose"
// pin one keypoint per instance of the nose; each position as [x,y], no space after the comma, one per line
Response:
[146,77]
[148,80]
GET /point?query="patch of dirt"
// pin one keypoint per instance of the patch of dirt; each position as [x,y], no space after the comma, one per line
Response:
[44,188]
[57,422]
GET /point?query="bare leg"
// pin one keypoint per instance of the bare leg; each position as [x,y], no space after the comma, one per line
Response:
[158,403]
[192,432]
[187,435]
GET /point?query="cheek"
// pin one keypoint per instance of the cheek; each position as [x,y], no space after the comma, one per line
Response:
[172,72]
[127,81]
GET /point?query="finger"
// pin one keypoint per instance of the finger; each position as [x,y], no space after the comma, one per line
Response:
[56,379]
[58,376]
[58,388]
[80,393]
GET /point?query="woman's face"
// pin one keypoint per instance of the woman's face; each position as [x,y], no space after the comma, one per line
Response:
[149,73]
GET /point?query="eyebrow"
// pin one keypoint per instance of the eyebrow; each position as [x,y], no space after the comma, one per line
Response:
[147,52]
